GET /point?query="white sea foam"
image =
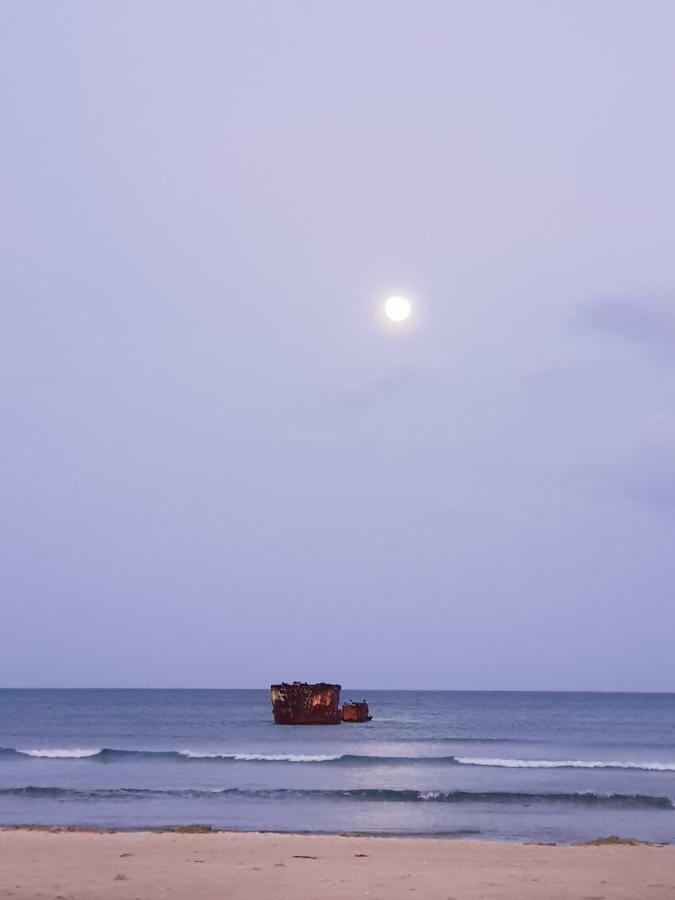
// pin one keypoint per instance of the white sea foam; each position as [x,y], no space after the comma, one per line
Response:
[565,764]
[258,757]
[57,753]
[281,757]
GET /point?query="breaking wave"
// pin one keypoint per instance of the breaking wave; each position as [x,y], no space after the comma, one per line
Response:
[261,757]
[108,753]
[105,754]
[56,753]
[565,764]
[628,801]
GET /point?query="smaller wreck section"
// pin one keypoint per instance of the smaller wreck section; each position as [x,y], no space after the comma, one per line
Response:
[356,711]
[300,703]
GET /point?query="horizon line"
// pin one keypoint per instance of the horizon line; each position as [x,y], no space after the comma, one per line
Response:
[378,689]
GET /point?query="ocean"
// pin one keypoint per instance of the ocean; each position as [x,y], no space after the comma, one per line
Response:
[538,766]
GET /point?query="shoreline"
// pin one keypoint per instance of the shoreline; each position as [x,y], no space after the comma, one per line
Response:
[612,840]
[74,862]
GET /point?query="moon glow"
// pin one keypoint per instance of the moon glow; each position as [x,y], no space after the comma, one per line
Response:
[397,309]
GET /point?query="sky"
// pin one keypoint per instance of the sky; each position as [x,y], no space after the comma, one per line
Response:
[221,466]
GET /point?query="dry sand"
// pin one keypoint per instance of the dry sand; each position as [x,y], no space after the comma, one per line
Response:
[145,865]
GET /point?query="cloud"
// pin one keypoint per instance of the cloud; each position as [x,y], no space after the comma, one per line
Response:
[641,466]
[649,470]
[643,471]
[380,385]
[647,322]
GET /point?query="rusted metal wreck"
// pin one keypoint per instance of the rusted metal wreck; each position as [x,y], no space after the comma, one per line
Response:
[300,703]
[356,711]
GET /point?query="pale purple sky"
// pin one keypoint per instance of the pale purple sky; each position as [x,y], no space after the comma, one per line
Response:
[219,467]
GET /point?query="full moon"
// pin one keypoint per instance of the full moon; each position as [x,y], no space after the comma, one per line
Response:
[397,309]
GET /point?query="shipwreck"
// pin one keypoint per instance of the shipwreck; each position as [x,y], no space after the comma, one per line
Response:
[301,703]
[356,711]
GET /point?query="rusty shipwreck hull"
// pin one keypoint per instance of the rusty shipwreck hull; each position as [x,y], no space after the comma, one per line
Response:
[300,703]
[356,711]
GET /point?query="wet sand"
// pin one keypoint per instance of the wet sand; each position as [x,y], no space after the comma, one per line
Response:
[81,865]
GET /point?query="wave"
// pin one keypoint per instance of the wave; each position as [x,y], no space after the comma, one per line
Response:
[261,757]
[380,795]
[109,753]
[105,754]
[565,764]
[340,759]
[55,753]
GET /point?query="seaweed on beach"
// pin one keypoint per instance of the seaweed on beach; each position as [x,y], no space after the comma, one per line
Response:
[613,840]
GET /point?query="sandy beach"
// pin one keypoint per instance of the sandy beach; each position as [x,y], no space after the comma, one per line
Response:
[65,865]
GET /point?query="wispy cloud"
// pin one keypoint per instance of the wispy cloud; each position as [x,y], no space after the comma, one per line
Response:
[643,471]
[647,322]
[642,467]
[380,385]
[648,472]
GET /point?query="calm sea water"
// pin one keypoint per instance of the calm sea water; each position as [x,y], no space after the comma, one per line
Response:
[494,765]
